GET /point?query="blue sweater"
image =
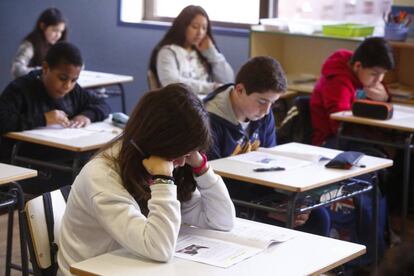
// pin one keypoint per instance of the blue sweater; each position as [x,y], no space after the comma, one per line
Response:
[230,138]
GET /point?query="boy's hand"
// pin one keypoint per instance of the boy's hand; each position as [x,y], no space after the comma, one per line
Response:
[377,93]
[57,117]
[156,165]
[206,43]
[299,220]
[79,121]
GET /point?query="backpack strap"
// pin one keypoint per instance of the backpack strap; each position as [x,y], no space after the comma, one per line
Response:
[50,222]
[65,192]
[218,90]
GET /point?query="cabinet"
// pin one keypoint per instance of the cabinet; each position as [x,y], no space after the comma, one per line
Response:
[303,55]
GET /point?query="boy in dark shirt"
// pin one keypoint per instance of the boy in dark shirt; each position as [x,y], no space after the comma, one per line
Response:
[51,95]
[242,120]
[46,97]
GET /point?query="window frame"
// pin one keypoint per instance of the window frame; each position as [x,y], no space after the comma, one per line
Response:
[268,8]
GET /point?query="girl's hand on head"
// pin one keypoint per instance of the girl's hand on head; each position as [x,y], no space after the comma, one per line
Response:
[194,160]
[205,44]
[156,165]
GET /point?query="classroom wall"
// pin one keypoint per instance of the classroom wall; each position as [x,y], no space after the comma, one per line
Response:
[106,45]
[403,3]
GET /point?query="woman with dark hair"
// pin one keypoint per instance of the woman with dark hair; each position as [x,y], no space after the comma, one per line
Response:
[138,190]
[51,27]
[188,54]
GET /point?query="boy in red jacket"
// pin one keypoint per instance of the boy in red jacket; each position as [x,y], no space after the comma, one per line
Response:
[346,76]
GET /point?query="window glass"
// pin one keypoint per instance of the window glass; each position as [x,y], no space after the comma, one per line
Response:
[232,11]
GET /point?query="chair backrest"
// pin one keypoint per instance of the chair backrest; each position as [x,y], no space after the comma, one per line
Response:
[43,214]
[302,103]
[297,125]
[153,82]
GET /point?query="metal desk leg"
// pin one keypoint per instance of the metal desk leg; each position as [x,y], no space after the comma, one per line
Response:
[17,190]
[15,150]
[9,246]
[406,180]
[374,226]
[76,165]
[291,210]
[338,138]
[122,91]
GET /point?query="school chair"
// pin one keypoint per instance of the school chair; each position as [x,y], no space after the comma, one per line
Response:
[297,125]
[11,198]
[43,218]
[302,103]
[152,80]
[9,202]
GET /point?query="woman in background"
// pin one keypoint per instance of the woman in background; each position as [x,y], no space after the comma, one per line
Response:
[51,27]
[188,54]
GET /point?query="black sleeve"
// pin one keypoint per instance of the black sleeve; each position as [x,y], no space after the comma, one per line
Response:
[90,105]
[15,112]
[214,151]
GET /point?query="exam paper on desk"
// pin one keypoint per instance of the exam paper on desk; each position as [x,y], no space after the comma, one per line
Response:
[57,131]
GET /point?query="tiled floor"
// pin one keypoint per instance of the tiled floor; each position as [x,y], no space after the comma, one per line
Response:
[16,245]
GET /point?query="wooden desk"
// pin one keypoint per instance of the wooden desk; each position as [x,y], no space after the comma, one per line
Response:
[92,79]
[303,255]
[298,179]
[402,122]
[8,175]
[100,134]
[304,179]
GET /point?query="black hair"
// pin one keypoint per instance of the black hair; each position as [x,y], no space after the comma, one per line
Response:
[261,74]
[169,122]
[49,17]
[177,35]
[374,52]
[63,53]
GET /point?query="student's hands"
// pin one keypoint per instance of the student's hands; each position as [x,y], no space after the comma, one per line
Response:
[205,44]
[195,160]
[377,93]
[299,220]
[57,117]
[79,121]
[158,166]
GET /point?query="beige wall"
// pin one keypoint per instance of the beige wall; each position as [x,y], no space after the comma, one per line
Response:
[404,3]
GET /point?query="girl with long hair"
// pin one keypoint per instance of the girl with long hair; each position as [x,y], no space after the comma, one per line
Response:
[188,54]
[138,190]
[51,27]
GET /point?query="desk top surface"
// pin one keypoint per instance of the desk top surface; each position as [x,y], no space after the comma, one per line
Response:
[10,173]
[89,138]
[297,179]
[89,79]
[402,119]
[316,254]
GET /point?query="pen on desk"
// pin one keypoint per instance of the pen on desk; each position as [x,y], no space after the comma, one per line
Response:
[271,169]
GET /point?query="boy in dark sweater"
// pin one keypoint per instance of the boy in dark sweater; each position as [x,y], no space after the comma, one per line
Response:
[47,97]
[241,121]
